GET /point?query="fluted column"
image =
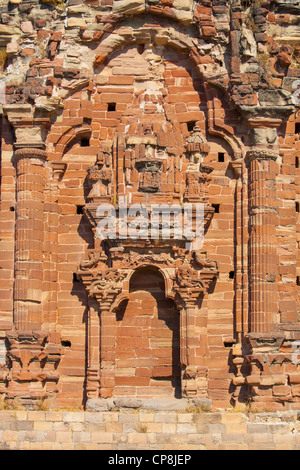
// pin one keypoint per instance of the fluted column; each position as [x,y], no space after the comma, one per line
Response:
[31,180]
[263,258]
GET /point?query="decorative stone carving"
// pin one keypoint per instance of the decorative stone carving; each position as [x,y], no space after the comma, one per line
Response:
[149,180]
[197,175]
[107,281]
[197,184]
[33,360]
[99,176]
[196,148]
[194,382]
[281,59]
[203,262]
[94,257]
[149,159]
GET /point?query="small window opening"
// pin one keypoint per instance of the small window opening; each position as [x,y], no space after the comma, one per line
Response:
[111,107]
[297,162]
[79,210]
[66,344]
[297,206]
[12,209]
[84,142]
[297,128]
[231,274]
[191,125]
[221,157]
[298,280]
[216,207]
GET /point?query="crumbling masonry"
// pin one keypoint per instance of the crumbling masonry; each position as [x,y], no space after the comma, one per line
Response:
[155,101]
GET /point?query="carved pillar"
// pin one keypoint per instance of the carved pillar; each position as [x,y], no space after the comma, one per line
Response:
[240,252]
[192,287]
[263,219]
[263,258]
[193,350]
[51,244]
[31,179]
[93,350]
[33,353]
[103,288]
[265,337]
[107,349]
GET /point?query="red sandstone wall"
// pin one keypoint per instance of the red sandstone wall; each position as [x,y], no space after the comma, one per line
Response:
[180,97]
[74,234]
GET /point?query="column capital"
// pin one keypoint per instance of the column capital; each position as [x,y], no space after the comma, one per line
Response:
[261,153]
[30,152]
[30,131]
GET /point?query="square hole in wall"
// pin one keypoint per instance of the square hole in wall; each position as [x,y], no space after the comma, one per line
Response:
[111,106]
[221,157]
[84,142]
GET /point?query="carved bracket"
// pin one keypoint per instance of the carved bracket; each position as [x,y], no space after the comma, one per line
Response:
[33,358]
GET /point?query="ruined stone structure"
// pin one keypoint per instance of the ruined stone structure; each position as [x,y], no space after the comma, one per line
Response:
[151,102]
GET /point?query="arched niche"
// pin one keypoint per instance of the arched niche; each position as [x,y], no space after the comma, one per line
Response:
[163,35]
[147,339]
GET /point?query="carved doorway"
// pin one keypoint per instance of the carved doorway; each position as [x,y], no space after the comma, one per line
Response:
[148,340]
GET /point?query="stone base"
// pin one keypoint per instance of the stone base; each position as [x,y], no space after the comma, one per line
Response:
[160,404]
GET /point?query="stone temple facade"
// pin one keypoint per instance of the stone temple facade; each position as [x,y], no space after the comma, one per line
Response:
[171,102]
